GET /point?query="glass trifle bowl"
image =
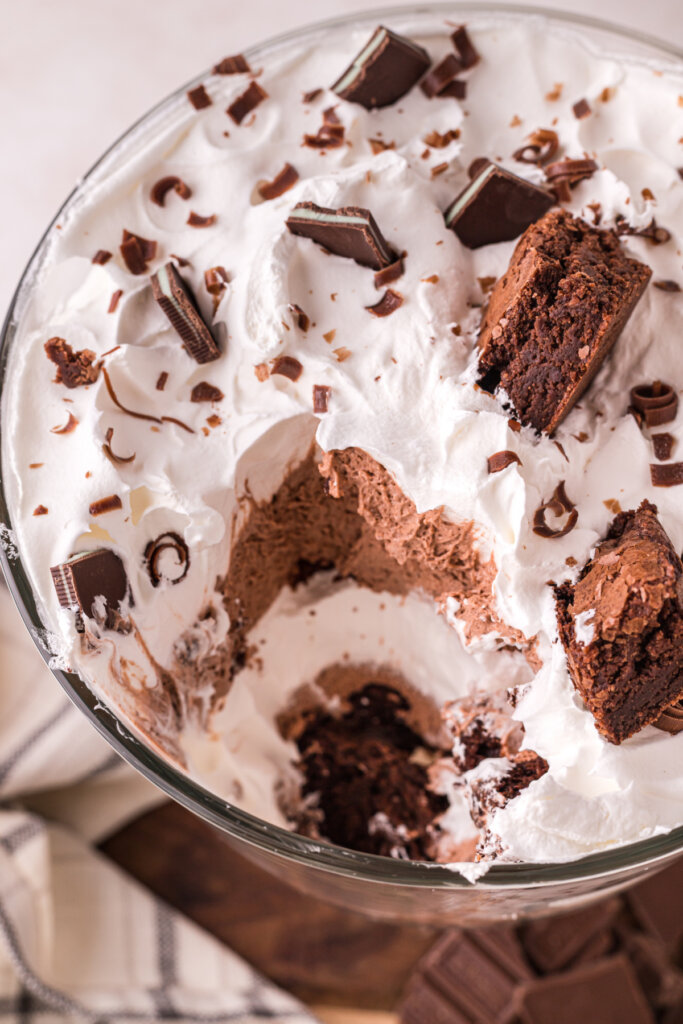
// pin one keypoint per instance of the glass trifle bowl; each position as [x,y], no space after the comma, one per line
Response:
[227,731]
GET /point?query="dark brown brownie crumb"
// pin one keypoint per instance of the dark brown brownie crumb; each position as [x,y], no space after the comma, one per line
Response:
[554,316]
[628,667]
[74,369]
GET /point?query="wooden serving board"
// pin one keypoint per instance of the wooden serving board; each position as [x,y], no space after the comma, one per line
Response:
[347,968]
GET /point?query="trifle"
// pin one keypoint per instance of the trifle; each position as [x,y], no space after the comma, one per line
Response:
[342,447]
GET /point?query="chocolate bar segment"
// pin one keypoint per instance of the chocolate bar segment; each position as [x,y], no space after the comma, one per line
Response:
[350,231]
[606,991]
[621,626]
[384,70]
[86,580]
[555,315]
[178,304]
[496,206]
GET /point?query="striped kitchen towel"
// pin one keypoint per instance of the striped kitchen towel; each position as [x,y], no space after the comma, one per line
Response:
[79,939]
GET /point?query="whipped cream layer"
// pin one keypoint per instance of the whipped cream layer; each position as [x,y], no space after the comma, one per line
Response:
[402,389]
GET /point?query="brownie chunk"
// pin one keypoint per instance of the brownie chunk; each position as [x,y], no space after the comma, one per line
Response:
[555,315]
[622,625]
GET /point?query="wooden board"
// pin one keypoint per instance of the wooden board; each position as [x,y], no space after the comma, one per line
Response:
[340,963]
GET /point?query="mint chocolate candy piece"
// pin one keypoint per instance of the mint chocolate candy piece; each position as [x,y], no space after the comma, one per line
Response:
[496,206]
[178,304]
[350,231]
[94,584]
[384,70]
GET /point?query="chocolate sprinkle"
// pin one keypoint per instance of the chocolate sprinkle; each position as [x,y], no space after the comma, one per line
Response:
[287,366]
[581,108]
[281,183]
[301,319]
[109,504]
[107,449]
[155,548]
[101,257]
[663,445]
[199,97]
[350,231]
[236,65]
[669,474]
[501,460]
[163,186]
[137,252]
[68,427]
[655,403]
[161,380]
[85,578]
[440,77]
[388,304]
[389,274]
[559,505]
[195,220]
[667,286]
[541,146]
[205,392]
[74,369]
[180,307]
[496,206]
[465,48]
[386,68]
[321,397]
[671,719]
[247,102]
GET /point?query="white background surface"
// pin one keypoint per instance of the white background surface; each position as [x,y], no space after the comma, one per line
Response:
[75,73]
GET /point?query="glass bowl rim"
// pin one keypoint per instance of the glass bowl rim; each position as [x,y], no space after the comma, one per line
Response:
[318,854]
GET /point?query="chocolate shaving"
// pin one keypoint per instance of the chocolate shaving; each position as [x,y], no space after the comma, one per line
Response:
[389,274]
[195,220]
[437,140]
[669,474]
[236,65]
[109,504]
[247,102]
[465,48]
[570,171]
[163,186]
[106,448]
[440,77]
[667,286]
[663,445]
[558,505]
[388,304]
[501,460]
[438,169]
[137,252]
[581,108]
[68,427]
[321,397]
[542,145]
[154,550]
[199,97]
[280,184]
[74,369]
[140,415]
[114,301]
[330,135]
[205,392]
[655,403]
[311,96]
[287,366]
[161,380]
[40,510]
[101,257]
[301,319]
[652,232]
[671,719]
[216,280]
[379,146]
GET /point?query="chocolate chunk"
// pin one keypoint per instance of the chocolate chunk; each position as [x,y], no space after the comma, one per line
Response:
[281,183]
[103,505]
[389,274]
[554,316]
[621,626]
[655,404]
[137,252]
[607,991]
[74,369]
[388,304]
[236,65]
[386,68]
[668,475]
[667,286]
[559,505]
[287,366]
[581,108]
[40,510]
[199,97]
[205,392]
[540,147]
[247,102]
[154,557]
[94,583]
[501,460]
[663,445]
[465,47]
[553,944]
[350,231]
[671,719]
[178,304]
[456,89]
[163,186]
[321,397]
[101,257]
[195,220]
[440,77]
[301,319]
[496,206]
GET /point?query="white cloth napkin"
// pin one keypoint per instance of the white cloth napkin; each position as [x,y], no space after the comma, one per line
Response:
[79,939]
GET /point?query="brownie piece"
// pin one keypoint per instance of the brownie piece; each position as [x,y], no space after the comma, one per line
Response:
[555,315]
[621,625]
[500,781]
